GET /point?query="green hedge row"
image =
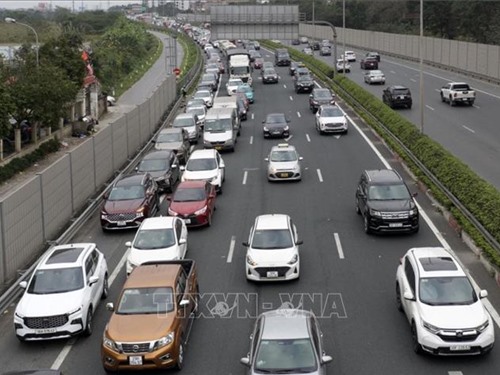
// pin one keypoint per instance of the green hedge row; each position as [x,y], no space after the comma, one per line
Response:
[22,163]
[477,195]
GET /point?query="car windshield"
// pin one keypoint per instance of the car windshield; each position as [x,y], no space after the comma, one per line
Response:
[272,239]
[121,193]
[376,72]
[244,89]
[145,301]
[194,102]
[196,110]
[201,164]
[275,119]
[235,82]
[152,239]
[282,156]
[283,356]
[59,280]
[269,71]
[388,192]
[183,122]
[238,70]
[189,195]
[322,94]
[219,125]
[461,87]
[447,291]
[304,78]
[202,94]
[331,112]
[169,137]
[207,77]
[153,165]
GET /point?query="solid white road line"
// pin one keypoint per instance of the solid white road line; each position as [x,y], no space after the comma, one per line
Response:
[245,175]
[308,138]
[455,373]
[476,106]
[320,177]
[289,137]
[413,80]
[469,129]
[253,117]
[251,139]
[231,249]
[291,98]
[284,86]
[339,245]
[428,106]
[298,114]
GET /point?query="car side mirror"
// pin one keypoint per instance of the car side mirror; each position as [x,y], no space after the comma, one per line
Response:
[174,166]
[136,169]
[182,168]
[483,293]
[245,361]
[182,241]
[128,244]
[263,121]
[299,242]
[326,359]
[153,141]
[409,296]
[414,194]
[246,244]
[110,306]
[106,195]
[23,284]
[184,302]
[93,280]
[301,158]
[266,159]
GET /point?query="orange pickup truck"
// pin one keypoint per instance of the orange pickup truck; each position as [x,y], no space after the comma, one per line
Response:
[152,319]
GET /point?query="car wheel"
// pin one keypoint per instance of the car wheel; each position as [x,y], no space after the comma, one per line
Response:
[471,103]
[399,305]
[209,220]
[417,348]
[409,106]
[442,98]
[356,205]
[20,338]
[105,287]
[451,102]
[88,324]
[366,224]
[180,358]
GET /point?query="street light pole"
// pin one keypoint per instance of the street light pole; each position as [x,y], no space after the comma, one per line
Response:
[421,66]
[343,38]
[37,46]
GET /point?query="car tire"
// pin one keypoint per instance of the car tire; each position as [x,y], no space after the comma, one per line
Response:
[180,357]
[442,98]
[356,207]
[209,220]
[399,305]
[366,225]
[417,348]
[88,323]
[451,102]
[105,287]
[409,106]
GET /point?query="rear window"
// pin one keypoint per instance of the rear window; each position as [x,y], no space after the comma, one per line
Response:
[401,92]
[464,87]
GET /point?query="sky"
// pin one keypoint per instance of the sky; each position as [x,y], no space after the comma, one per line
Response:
[88,4]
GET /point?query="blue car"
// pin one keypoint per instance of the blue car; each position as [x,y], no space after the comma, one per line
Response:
[247,90]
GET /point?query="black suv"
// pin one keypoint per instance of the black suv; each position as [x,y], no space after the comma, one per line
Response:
[281,57]
[385,202]
[163,166]
[320,96]
[304,83]
[397,96]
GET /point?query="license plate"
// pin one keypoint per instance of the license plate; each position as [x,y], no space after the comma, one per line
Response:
[395,225]
[459,347]
[401,97]
[276,132]
[187,221]
[272,274]
[284,175]
[46,330]
[135,360]
[121,223]
[218,148]
[464,99]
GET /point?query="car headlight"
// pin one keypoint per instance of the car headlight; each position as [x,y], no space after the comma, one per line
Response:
[250,261]
[430,327]
[74,311]
[201,211]
[375,212]
[172,212]
[140,211]
[266,129]
[286,128]
[412,212]
[106,341]
[164,341]
[294,259]
[272,170]
[483,326]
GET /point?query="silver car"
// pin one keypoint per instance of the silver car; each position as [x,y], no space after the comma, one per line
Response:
[283,163]
[286,341]
[374,76]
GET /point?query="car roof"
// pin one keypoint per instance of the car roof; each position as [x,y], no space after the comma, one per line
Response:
[383,176]
[158,222]
[203,154]
[184,115]
[153,275]
[158,154]
[316,90]
[327,106]
[285,324]
[171,130]
[398,87]
[272,221]
[283,146]
[436,262]
[68,255]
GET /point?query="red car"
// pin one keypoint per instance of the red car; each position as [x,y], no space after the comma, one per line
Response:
[243,97]
[258,62]
[369,63]
[193,201]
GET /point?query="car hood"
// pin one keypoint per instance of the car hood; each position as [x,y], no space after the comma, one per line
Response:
[454,317]
[275,125]
[186,208]
[33,305]
[283,165]
[158,174]
[199,175]
[270,257]
[137,257]
[392,205]
[140,327]
[329,120]
[217,136]
[168,146]
[116,207]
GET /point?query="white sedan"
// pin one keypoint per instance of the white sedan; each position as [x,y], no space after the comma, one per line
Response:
[272,249]
[207,97]
[342,66]
[374,76]
[157,239]
[331,119]
[232,84]
[205,165]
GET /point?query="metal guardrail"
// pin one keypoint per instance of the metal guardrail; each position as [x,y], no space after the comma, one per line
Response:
[14,291]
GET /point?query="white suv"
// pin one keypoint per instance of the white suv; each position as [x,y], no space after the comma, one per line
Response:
[273,249]
[444,310]
[157,239]
[205,165]
[62,294]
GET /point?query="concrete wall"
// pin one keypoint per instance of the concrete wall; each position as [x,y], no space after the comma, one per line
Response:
[39,210]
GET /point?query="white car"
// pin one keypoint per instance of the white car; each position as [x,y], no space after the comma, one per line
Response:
[283,163]
[445,311]
[272,249]
[205,165]
[63,293]
[374,76]
[350,56]
[331,119]
[157,239]
[342,65]
[206,95]
[200,111]
[111,100]
[232,84]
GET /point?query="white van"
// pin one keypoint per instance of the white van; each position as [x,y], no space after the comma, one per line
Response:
[222,126]
[225,102]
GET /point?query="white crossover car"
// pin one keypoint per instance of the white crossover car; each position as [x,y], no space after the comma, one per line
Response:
[342,66]
[62,294]
[374,76]
[350,56]
[157,239]
[444,309]
[232,84]
[283,163]
[272,249]
[331,119]
[205,165]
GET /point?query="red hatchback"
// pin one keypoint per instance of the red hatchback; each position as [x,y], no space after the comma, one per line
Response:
[193,201]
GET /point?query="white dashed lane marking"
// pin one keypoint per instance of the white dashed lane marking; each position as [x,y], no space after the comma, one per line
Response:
[339,245]
[320,177]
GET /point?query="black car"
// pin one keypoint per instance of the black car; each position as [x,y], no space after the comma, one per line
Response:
[303,83]
[397,96]
[295,42]
[209,79]
[385,202]
[276,126]
[373,54]
[315,46]
[369,63]
[163,166]
[325,51]
[242,109]
[320,96]
[269,75]
[294,65]
[175,139]
[281,57]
